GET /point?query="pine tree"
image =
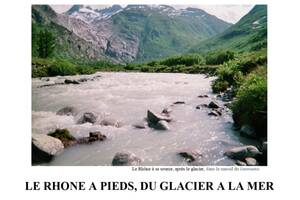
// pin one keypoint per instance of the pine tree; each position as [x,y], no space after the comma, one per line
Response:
[45,43]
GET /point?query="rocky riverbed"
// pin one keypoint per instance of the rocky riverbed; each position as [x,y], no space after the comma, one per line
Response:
[135,118]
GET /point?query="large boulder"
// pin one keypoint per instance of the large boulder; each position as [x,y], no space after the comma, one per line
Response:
[125,158]
[87,117]
[68,110]
[240,153]
[154,118]
[189,155]
[64,136]
[111,122]
[44,148]
[93,137]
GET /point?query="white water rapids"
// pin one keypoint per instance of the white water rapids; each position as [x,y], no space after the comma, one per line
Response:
[127,97]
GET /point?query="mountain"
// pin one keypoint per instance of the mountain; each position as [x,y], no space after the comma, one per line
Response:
[69,44]
[248,34]
[134,33]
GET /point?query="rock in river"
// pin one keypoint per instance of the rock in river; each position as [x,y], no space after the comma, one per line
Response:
[153,117]
[214,113]
[44,148]
[203,96]
[125,158]
[68,81]
[87,117]
[213,104]
[179,102]
[190,155]
[166,111]
[93,137]
[251,161]
[68,110]
[240,153]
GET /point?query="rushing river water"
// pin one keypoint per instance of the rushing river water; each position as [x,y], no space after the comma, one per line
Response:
[127,97]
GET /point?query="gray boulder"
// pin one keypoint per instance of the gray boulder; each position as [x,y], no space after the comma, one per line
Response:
[44,148]
[125,158]
[68,110]
[251,161]
[240,153]
[87,117]
[154,118]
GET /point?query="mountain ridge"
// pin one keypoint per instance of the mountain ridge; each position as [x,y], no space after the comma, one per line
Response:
[248,34]
[136,32]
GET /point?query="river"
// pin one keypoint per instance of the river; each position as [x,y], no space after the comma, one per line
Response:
[127,97]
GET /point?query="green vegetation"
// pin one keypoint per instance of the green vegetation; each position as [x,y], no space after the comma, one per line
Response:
[249,34]
[189,63]
[161,36]
[45,44]
[218,57]
[251,104]
[246,75]
[62,134]
[62,67]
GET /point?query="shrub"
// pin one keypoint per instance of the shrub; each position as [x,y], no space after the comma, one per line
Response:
[129,67]
[228,74]
[219,86]
[219,57]
[144,69]
[39,72]
[62,68]
[250,106]
[187,60]
[85,70]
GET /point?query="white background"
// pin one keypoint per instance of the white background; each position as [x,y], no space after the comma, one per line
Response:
[15,130]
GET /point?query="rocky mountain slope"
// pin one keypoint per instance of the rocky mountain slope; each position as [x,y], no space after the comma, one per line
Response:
[133,33]
[249,34]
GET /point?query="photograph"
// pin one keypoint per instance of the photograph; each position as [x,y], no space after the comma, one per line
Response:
[149,85]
